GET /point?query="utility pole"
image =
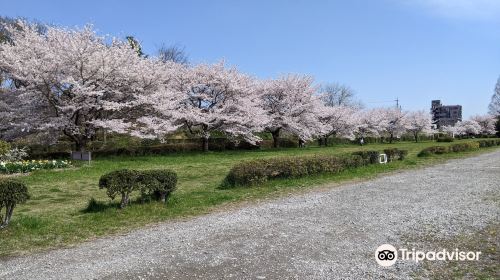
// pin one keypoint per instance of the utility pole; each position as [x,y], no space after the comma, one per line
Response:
[397,103]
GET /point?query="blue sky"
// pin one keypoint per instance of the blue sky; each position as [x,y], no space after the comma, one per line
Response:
[416,50]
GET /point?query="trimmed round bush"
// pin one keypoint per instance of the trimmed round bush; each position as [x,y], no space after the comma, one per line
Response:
[158,183]
[122,182]
[12,192]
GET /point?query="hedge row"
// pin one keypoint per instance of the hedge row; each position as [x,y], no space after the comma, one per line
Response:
[395,153]
[258,171]
[150,183]
[166,149]
[445,139]
[462,147]
[370,157]
[489,143]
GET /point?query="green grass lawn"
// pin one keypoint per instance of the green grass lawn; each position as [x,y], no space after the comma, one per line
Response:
[55,215]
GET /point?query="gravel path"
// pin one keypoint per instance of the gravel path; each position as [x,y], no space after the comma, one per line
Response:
[328,234]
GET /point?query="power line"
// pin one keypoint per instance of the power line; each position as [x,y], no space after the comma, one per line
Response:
[388,101]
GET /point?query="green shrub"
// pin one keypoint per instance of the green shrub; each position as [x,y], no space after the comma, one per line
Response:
[433,150]
[487,143]
[395,153]
[354,162]
[259,171]
[158,183]
[424,153]
[445,139]
[391,153]
[122,182]
[455,148]
[12,192]
[402,154]
[4,147]
[462,147]
[151,183]
[369,156]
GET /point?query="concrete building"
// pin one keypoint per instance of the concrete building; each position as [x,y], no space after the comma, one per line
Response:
[445,114]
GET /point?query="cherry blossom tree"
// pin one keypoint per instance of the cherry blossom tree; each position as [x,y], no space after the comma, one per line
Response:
[486,123]
[214,98]
[290,104]
[419,122]
[5,115]
[160,113]
[339,121]
[451,130]
[74,82]
[11,125]
[372,123]
[469,127]
[397,123]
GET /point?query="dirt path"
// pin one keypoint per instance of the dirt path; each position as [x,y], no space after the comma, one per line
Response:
[323,235]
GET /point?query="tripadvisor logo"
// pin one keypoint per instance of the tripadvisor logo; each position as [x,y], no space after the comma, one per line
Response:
[387,255]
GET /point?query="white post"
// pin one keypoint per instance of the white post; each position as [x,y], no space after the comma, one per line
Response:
[382,158]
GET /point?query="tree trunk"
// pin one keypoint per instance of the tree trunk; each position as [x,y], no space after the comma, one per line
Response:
[325,140]
[9,209]
[163,197]
[416,137]
[301,143]
[105,137]
[276,138]
[80,145]
[124,201]
[391,138]
[205,143]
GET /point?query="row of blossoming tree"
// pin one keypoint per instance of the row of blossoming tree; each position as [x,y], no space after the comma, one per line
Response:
[75,82]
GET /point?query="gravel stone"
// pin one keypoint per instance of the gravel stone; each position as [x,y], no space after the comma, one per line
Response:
[328,234]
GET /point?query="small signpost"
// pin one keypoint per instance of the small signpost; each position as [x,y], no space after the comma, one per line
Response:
[85,156]
[382,158]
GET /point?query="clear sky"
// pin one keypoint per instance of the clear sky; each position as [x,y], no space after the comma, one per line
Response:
[416,50]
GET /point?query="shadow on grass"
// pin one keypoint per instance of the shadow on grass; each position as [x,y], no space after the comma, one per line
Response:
[94,206]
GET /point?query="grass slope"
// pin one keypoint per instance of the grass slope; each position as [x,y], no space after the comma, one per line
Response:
[57,213]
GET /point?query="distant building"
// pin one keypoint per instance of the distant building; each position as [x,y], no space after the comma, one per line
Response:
[445,114]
